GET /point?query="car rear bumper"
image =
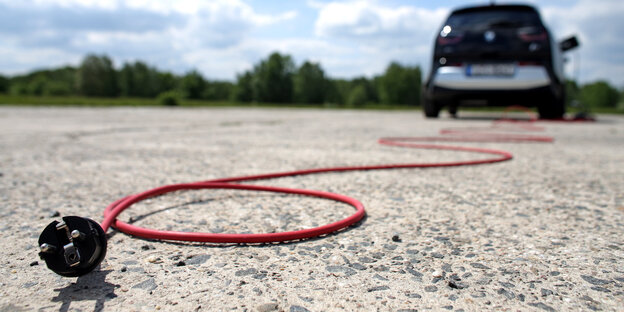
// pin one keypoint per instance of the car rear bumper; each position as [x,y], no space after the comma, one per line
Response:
[491,97]
[523,78]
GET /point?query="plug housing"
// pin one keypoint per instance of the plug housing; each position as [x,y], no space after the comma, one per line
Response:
[73,247]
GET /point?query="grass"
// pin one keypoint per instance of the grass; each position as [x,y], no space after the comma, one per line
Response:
[74,101]
[602,110]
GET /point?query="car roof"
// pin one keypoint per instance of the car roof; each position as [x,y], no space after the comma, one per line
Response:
[495,7]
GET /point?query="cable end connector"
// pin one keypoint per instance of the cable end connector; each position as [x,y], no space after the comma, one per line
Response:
[72,247]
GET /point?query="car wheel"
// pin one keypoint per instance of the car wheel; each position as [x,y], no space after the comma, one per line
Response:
[452,109]
[431,108]
[552,109]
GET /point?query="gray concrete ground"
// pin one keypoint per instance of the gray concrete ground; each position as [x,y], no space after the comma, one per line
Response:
[541,232]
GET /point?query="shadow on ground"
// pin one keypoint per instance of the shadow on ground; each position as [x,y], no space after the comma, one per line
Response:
[90,287]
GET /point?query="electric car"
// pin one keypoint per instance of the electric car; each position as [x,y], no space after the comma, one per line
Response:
[496,55]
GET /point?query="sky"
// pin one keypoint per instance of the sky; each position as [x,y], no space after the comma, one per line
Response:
[224,38]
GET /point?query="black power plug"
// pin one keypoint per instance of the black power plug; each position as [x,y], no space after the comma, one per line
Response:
[72,247]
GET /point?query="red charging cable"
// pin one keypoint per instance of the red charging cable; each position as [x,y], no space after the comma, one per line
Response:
[457,135]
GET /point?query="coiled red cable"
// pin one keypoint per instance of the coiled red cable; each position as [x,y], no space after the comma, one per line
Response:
[457,135]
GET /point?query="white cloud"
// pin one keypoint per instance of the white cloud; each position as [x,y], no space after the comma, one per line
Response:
[224,37]
[19,62]
[598,27]
[376,34]
[159,32]
[95,4]
[227,63]
[366,20]
[216,18]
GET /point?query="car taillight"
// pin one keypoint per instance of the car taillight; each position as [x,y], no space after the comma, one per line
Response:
[530,34]
[449,36]
[527,63]
[449,40]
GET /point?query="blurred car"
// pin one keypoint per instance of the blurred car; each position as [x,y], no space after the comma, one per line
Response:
[496,55]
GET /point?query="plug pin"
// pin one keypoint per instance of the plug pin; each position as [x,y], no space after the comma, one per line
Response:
[47,248]
[61,226]
[72,255]
[75,234]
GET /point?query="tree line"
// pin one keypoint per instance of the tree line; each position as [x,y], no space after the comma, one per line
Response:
[275,79]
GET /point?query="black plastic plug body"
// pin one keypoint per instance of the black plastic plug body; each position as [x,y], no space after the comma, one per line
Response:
[72,247]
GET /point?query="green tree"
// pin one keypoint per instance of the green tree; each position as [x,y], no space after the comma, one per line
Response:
[243,91]
[310,84]
[572,92]
[169,98]
[61,81]
[193,85]
[167,81]
[369,87]
[272,79]
[58,81]
[57,88]
[97,77]
[18,88]
[217,90]
[338,91]
[400,85]
[138,80]
[599,94]
[37,85]
[357,96]
[4,84]
[126,80]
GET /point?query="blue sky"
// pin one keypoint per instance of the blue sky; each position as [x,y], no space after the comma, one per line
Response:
[223,38]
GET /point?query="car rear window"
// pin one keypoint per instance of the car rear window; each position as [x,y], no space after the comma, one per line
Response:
[493,18]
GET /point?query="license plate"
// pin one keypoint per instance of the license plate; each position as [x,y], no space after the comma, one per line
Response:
[490,70]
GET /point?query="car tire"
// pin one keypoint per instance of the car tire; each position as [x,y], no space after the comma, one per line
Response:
[553,108]
[452,109]
[431,108]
